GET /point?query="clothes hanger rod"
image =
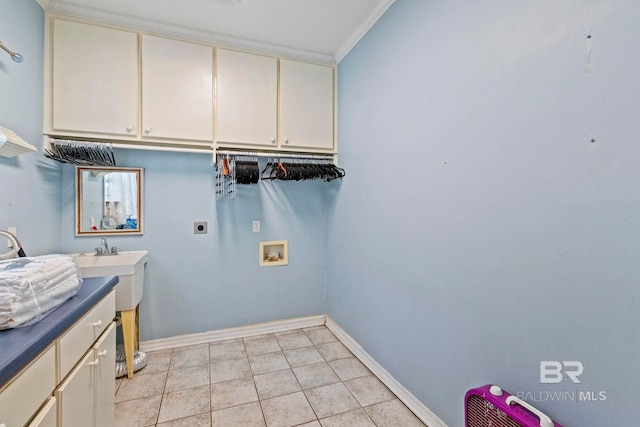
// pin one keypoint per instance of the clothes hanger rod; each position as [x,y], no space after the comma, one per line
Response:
[275,154]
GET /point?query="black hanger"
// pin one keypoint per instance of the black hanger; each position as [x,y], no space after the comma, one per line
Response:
[81,153]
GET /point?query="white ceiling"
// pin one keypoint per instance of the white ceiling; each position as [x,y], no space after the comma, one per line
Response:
[319,30]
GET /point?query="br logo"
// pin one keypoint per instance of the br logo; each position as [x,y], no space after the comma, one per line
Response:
[553,371]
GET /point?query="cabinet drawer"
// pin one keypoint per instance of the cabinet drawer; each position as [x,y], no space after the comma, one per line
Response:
[47,416]
[81,336]
[25,394]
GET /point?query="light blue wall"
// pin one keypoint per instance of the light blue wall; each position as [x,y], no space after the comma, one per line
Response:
[29,183]
[193,283]
[198,283]
[493,234]
[479,230]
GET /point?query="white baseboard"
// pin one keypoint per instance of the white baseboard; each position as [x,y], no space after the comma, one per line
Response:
[422,412]
[232,333]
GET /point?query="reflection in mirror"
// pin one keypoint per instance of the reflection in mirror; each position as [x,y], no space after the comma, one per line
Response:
[108,200]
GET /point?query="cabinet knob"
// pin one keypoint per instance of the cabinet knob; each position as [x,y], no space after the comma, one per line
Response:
[273,140]
[130,129]
[103,353]
[95,362]
[148,130]
[97,324]
[286,141]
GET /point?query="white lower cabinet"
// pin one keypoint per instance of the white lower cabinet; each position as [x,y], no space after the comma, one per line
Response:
[68,385]
[83,334]
[86,396]
[105,355]
[47,416]
[24,394]
[76,394]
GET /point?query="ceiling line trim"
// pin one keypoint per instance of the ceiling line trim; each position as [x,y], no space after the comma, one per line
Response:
[169,30]
[358,33]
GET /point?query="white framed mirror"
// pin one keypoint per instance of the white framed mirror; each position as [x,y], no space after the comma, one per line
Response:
[109,200]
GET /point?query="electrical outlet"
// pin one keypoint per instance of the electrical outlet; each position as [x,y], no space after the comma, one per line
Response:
[13,231]
[256,226]
[200,227]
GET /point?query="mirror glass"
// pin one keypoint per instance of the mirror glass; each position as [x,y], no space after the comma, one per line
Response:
[108,200]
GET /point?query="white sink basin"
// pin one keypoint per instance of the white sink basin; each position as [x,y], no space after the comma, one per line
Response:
[127,265]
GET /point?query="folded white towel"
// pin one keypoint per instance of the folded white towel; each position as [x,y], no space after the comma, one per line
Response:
[22,273]
[36,307]
[11,296]
[31,287]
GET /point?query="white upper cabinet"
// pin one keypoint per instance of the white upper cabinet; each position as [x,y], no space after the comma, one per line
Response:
[94,79]
[306,105]
[246,98]
[177,89]
[117,84]
[287,105]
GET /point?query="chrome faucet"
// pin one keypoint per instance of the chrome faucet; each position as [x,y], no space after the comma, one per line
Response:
[104,245]
[104,248]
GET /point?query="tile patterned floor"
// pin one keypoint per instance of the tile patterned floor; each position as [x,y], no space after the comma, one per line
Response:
[303,378]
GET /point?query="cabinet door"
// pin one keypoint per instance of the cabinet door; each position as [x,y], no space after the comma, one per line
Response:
[306,105]
[177,89]
[246,98]
[94,79]
[105,354]
[26,392]
[47,416]
[76,393]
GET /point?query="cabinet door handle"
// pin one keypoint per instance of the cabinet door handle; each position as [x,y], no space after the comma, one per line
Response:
[95,362]
[130,129]
[273,140]
[103,353]
[97,324]
[286,141]
[148,130]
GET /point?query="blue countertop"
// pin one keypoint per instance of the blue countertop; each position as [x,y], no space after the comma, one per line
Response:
[21,345]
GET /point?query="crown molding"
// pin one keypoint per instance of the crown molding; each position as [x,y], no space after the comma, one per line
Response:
[44,3]
[359,32]
[146,25]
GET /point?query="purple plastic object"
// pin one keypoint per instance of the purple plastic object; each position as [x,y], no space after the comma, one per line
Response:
[490,406]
